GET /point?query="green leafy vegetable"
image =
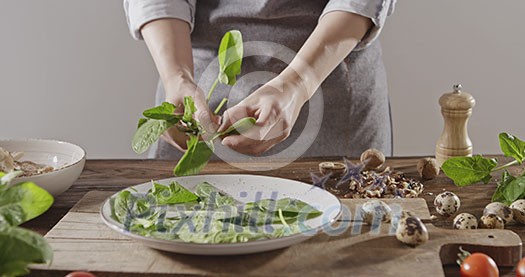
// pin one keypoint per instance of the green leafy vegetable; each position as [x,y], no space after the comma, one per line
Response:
[159,119]
[467,170]
[218,217]
[242,125]
[213,197]
[20,247]
[512,146]
[174,194]
[195,158]
[230,57]
[148,133]
[166,111]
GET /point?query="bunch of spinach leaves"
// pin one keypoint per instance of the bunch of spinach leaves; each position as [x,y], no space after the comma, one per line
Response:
[469,170]
[21,247]
[159,119]
[208,215]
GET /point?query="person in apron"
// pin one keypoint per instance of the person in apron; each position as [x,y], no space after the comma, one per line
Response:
[312,73]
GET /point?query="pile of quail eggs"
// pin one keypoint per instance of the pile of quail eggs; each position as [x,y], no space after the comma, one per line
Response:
[495,215]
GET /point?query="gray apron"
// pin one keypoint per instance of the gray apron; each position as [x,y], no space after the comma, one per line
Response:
[349,114]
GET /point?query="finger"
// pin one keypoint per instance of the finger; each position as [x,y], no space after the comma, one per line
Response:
[175,138]
[232,115]
[253,147]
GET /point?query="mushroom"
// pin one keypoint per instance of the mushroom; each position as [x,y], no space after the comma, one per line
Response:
[518,210]
[411,231]
[500,210]
[446,203]
[372,158]
[334,168]
[428,168]
[465,221]
[492,221]
[375,211]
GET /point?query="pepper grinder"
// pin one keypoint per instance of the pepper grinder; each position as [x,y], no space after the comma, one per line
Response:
[456,108]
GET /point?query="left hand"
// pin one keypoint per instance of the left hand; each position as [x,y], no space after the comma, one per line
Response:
[276,106]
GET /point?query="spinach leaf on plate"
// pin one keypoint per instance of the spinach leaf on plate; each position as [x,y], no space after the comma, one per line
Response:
[213,197]
[172,194]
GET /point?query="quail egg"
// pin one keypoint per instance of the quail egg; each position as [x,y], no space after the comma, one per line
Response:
[492,221]
[500,210]
[376,211]
[411,231]
[447,203]
[465,221]
[518,210]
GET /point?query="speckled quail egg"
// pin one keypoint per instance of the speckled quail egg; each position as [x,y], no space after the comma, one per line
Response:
[465,221]
[518,210]
[411,231]
[500,210]
[447,203]
[492,221]
[376,209]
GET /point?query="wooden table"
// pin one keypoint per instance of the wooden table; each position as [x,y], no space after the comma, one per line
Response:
[114,175]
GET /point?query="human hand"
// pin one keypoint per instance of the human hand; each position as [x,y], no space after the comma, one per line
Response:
[175,93]
[276,106]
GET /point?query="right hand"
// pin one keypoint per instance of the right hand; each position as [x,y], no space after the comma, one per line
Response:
[175,92]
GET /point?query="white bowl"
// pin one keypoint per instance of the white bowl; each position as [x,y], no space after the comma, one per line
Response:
[68,160]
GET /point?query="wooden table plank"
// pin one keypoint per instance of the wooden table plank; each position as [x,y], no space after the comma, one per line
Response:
[113,175]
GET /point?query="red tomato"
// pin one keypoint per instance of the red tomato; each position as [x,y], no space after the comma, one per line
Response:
[479,265]
[80,274]
[520,269]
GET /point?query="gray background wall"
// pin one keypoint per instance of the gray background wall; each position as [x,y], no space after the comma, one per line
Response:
[70,71]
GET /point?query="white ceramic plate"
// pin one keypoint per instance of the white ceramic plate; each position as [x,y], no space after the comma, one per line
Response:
[245,188]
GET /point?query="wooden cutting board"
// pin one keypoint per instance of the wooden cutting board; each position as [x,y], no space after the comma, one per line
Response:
[82,242]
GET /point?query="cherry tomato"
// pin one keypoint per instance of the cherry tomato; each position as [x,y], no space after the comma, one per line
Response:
[479,265]
[520,269]
[80,274]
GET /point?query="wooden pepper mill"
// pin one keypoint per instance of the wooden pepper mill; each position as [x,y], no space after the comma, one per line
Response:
[456,108]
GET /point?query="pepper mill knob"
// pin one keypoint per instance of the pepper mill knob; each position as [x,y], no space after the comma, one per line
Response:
[456,108]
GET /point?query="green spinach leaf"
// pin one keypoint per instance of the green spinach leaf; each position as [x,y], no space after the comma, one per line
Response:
[468,170]
[148,133]
[174,194]
[499,194]
[23,202]
[512,146]
[230,57]
[213,197]
[21,247]
[165,111]
[238,127]
[195,158]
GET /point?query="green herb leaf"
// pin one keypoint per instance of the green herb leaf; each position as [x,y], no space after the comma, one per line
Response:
[238,127]
[165,111]
[21,247]
[195,158]
[213,197]
[499,194]
[230,57]
[469,170]
[189,109]
[174,194]
[148,133]
[23,202]
[512,146]
[514,190]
